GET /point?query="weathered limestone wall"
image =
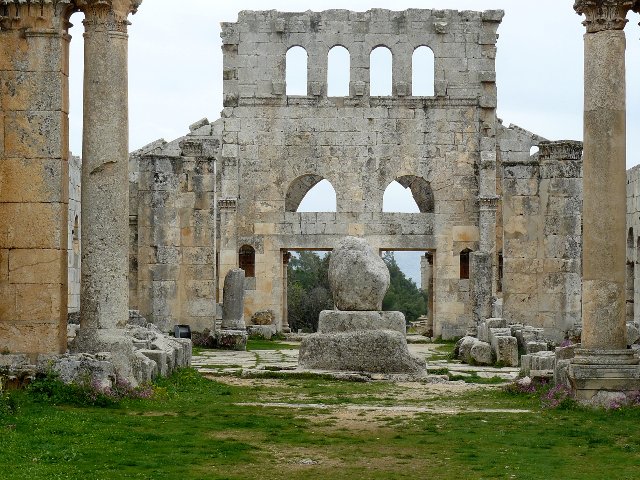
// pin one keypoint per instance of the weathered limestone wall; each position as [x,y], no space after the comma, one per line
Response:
[173,225]
[633,244]
[74,233]
[359,143]
[542,204]
[33,175]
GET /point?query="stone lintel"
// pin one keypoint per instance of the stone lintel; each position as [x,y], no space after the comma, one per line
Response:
[602,15]
[560,150]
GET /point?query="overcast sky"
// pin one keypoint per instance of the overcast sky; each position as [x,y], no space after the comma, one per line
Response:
[175,67]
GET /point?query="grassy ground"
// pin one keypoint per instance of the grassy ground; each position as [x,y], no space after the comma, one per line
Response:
[197,429]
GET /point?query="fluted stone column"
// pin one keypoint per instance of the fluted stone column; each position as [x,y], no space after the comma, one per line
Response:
[603,363]
[105,153]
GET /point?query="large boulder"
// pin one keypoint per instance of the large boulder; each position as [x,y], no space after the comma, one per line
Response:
[358,277]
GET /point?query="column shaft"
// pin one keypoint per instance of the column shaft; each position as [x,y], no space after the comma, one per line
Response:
[105,189]
[603,294]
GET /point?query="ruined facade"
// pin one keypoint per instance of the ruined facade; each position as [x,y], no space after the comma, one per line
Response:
[497,220]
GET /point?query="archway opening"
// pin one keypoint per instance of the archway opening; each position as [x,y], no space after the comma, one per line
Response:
[306,288]
[381,72]
[464,263]
[338,72]
[423,72]
[310,193]
[296,71]
[408,194]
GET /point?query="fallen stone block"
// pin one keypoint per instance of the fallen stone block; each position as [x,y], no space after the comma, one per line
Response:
[506,350]
[481,353]
[231,340]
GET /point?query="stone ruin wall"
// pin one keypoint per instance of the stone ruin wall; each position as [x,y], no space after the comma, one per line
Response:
[270,149]
[633,245]
[359,143]
[541,224]
[172,212]
[73,235]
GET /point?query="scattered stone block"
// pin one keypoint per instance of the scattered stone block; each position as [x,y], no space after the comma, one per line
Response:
[506,350]
[534,346]
[263,317]
[481,353]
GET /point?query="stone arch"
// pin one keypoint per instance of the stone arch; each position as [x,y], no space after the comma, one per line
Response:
[420,190]
[381,71]
[423,72]
[247,260]
[296,70]
[299,188]
[338,71]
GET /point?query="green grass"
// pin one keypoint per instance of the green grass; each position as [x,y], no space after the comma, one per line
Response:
[198,429]
[257,344]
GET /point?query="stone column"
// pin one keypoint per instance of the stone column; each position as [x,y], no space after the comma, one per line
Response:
[34,153]
[105,154]
[603,363]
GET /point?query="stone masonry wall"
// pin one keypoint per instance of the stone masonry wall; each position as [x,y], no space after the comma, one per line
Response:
[33,175]
[74,235]
[633,244]
[272,141]
[173,230]
[542,204]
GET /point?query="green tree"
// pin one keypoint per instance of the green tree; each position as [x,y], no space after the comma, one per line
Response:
[308,290]
[309,293]
[403,294]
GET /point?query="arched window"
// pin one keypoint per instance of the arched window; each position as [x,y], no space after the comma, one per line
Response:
[533,150]
[247,260]
[464,264]
[296,71]
[381,72]
[423,72]
[310,193]
[408,194]
[630,238]
[338,72]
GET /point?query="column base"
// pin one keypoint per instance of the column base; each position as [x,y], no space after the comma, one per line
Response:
[596,373]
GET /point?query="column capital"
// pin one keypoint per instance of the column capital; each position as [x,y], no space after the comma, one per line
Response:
[107,15]
[604,15]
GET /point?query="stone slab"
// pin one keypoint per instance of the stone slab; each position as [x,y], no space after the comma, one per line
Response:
[335,321]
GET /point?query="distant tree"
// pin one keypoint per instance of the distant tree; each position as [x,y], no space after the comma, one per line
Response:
[403,294]
[309,293]
[308,290]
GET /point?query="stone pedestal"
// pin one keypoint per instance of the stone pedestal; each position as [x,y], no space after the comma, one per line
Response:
[359,337]
[359,342]
[592,371]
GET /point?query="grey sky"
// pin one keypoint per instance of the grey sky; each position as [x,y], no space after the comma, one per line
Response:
[175,69]
[175,72]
